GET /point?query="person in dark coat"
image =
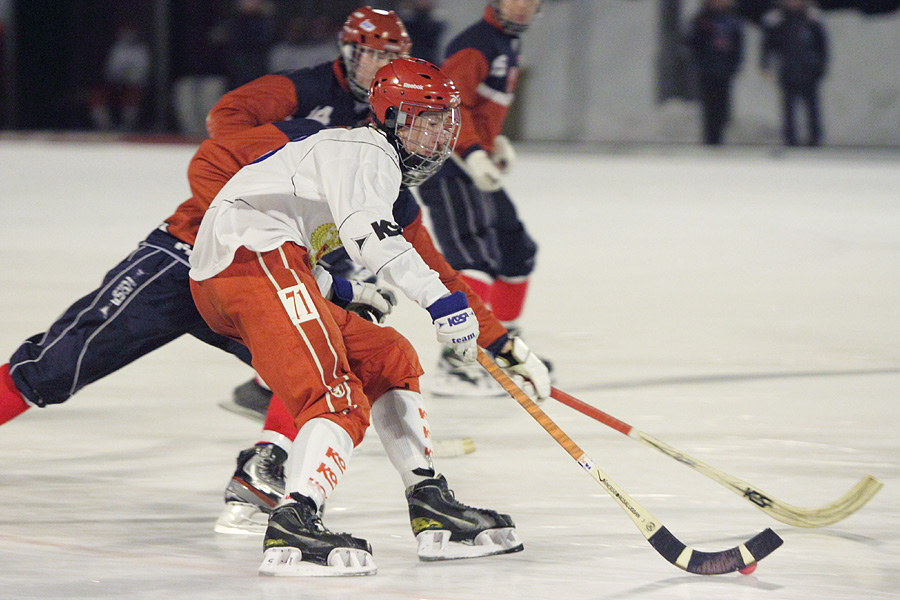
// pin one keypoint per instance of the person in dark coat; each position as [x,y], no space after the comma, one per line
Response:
[716,39]
[425,30]
[795,39]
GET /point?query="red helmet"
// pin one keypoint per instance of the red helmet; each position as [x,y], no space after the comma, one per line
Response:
[417,106]
[370,39]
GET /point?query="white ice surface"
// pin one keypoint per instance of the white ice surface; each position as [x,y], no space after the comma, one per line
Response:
[742,307]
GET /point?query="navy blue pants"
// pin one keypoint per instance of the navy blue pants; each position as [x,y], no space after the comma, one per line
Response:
[808,95]
[476,230]
[143,303]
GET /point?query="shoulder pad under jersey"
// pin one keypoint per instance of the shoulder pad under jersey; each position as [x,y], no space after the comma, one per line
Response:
[321,97]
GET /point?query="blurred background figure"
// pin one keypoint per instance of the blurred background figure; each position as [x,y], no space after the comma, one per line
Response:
[245,39]
[796,40]
[199,70]
[54,52]
[425,30]
[304,43]
[116,102]
[716,40]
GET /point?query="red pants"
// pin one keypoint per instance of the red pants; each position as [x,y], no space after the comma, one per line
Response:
[319,359]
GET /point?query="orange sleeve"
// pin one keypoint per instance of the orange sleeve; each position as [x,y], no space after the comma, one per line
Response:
[217,160]
[268,99]
[490,329]
[468,68]
[214,163]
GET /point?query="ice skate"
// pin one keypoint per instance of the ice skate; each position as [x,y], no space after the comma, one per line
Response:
[456,378]
[250,399]
[446,529]
[254,490]
[297,544]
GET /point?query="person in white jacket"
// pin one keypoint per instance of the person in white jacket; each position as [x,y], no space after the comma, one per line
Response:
[252,279]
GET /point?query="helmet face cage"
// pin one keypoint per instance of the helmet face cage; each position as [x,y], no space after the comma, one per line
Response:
[426,136]
[417,107]
[362,63]
[509,26]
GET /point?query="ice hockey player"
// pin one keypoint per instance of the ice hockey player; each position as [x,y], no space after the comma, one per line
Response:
[252,280]
[258,482]
[368,37]
[96,336]
[334,93]
[475,223]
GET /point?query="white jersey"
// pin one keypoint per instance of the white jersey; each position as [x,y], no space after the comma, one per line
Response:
[336,187]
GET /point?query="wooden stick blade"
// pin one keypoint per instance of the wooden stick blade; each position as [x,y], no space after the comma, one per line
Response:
[714,563]
[683,557]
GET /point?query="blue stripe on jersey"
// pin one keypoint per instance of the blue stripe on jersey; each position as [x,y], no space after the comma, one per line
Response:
[295,129]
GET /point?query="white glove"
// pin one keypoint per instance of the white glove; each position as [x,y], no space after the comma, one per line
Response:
[456,325]
[368,300]
[503,155]
[481,169]
[520,360]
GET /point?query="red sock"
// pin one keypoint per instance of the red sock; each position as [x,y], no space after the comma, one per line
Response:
[279,420]
[508,298]
[11,403]
[481,287]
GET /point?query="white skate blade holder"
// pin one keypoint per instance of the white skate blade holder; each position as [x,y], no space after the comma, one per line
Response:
[435,544]
[239,518]
[342,562]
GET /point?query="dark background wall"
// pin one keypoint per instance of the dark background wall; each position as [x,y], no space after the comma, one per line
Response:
[55,48]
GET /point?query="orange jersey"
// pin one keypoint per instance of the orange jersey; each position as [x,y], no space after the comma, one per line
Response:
[483,62]
[267,99]
[214,163]
[319,93]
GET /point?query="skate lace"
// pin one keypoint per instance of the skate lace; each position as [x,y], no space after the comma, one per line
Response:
[449,497]
[309,519]
[314,523]
[269,468]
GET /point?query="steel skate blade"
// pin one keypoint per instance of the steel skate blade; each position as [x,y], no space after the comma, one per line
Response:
[342,562]
[436,545]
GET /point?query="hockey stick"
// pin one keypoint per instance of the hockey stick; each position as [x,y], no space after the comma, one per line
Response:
[841,508]
[683,557]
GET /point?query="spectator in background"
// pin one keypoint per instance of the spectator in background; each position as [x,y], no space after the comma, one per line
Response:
[424,30]
[716,39]
[245,39]
[116,102]
[197,66]
[304,44]
[797,40]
